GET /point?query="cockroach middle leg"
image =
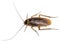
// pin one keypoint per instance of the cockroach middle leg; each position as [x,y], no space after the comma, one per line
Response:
[39,27]
[34,30]
[48,29]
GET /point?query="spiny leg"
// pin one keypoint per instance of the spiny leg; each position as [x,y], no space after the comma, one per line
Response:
[34,30]
[42,15]
[47,16]
[27,21]
[48,29]
[39,27]
[25,28]
[35,14]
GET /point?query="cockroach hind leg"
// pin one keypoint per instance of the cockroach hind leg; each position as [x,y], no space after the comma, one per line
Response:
[49,29]
[48,16]
[35,30]
[36,14]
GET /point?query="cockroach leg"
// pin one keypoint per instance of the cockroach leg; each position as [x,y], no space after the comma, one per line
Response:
[25,28]
[34,30]
[39,27]
[39,16]
[35,14]
[49,29]
[27,22]
[47,16]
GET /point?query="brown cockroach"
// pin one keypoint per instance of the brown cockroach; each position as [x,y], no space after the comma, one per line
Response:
[34,22]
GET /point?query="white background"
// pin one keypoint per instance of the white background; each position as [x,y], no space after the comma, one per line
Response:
[10,21]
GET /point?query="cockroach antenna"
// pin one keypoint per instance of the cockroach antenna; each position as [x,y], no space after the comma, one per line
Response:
[17,12]
[14,34]
[21,26]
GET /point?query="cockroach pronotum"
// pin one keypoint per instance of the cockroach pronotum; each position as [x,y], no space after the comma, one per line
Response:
[34,22]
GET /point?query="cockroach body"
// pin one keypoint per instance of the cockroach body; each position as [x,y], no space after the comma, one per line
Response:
[36,21]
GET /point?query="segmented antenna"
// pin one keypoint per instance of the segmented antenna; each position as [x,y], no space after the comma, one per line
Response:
[14,34]
[17,11]
[20,28]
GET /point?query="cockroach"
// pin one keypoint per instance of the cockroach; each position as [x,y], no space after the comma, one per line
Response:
[38,22]
[34,22]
